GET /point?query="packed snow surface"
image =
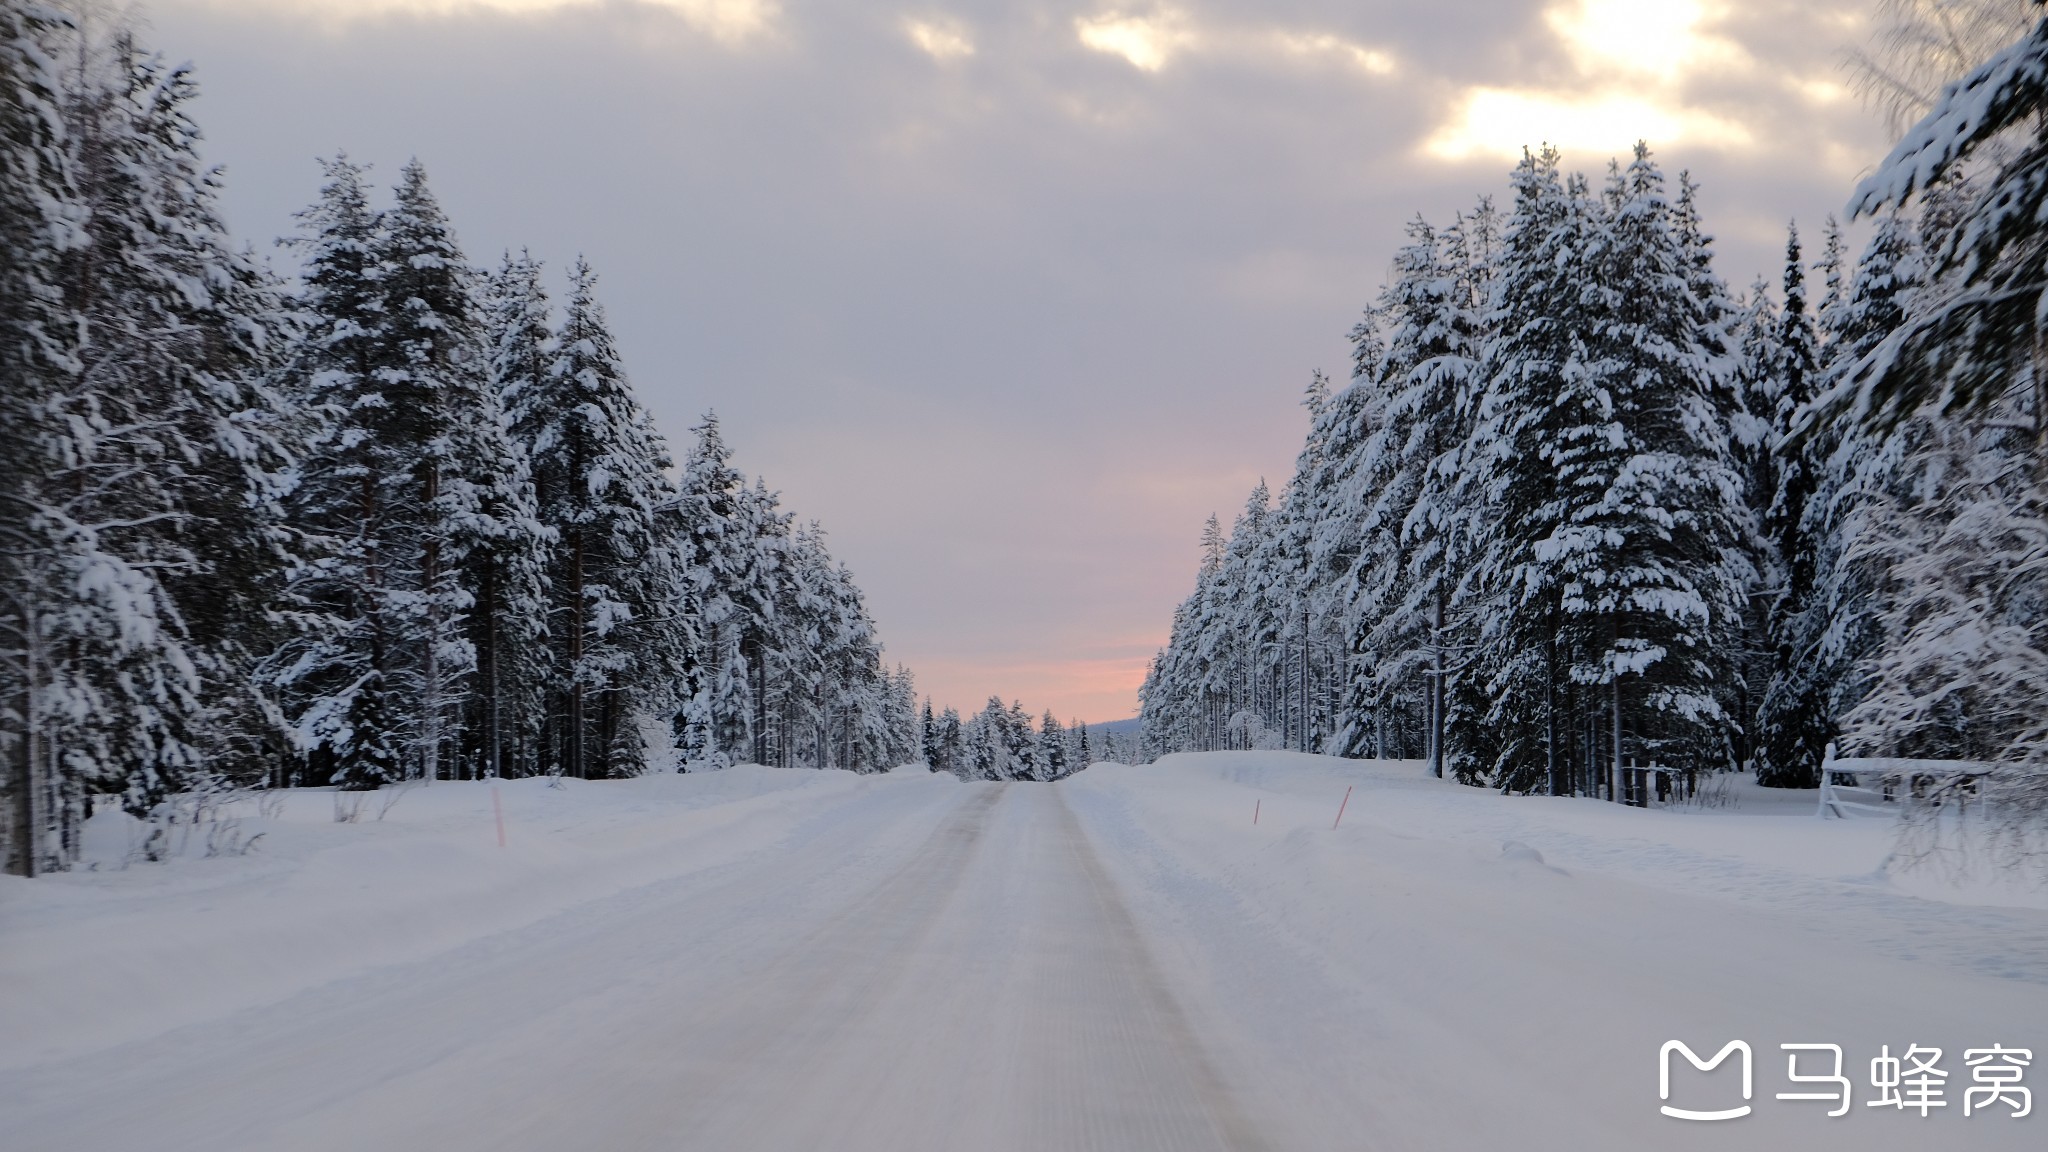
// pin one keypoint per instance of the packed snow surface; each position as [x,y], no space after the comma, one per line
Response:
[1124,961]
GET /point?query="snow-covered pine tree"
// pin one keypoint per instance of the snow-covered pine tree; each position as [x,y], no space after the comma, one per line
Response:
[1748,412]
[1959,392]
[1792,724]
[469,490]
[1407,613]
[1963,351]
[354,503]
[1052,748]
[599,481]
[1614,549]
[1673,593]
[45,551]
[900,709]
[859,705]
[713,725]
[951,744]
[511,551]
[1836,628]
[178,329]
[1964,653]
[1527,436]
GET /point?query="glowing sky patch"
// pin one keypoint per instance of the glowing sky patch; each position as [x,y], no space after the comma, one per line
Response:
[1633,58]
[941,40]
[1147,42]
[1365,59]
[1494,122]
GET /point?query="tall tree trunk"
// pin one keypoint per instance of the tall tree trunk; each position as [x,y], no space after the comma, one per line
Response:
[1436,685]
[575,739]
[494,748]
[1614,708]
[1301,720]
[29,831]
[1550,715]
[430,666]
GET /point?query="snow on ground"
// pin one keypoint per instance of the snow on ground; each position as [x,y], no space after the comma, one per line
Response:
[124,949]
[1454,968]
[781,959]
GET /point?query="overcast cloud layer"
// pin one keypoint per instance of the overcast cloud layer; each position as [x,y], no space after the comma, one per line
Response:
[1010,296]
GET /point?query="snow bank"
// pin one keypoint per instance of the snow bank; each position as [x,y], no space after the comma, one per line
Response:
[121,950]
[1454,968]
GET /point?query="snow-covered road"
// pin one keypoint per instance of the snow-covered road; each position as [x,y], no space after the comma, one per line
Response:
[767,959]
[924,969]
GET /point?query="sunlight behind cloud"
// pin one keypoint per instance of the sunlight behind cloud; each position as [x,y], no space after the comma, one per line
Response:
[1146,41]
[1497,122]
[1633,58]
[1647,37]
[727,21]
[939,40]
[1323,44]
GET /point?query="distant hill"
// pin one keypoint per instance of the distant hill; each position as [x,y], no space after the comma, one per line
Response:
[1117,727]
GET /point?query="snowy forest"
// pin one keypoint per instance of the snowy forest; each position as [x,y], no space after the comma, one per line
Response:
[1580,506]
[391,518]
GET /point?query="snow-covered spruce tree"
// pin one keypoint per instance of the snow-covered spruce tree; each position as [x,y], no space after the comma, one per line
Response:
[730,589]
[408,476]
[1312,631]
[1177,700]
[1961,388]
[614,583]
[470,487]
[988,748]
[1832,627]
[1963,350]
[1748,411]
[1540,386]
[173,420]
[1613,550]
[1409,614]
[857,712]
[1793,726]
[951,744]
[506,569]
[355,505]
[803,621]
[1960,671]
[1052,748]
[57,581]
[903,719]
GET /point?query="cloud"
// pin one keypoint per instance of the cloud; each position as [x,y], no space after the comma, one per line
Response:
[1501,122]
[1631,62]
[730,22]
[1372,60]
[1149,42]
[1146,41]
[941,40]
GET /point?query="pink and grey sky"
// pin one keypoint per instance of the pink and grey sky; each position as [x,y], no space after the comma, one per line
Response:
[1011,296]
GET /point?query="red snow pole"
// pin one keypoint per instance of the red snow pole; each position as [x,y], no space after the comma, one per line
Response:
[1340,809]
[1255,810]
[498,806]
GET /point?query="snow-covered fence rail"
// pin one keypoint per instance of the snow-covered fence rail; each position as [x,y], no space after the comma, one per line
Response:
[1883,785]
